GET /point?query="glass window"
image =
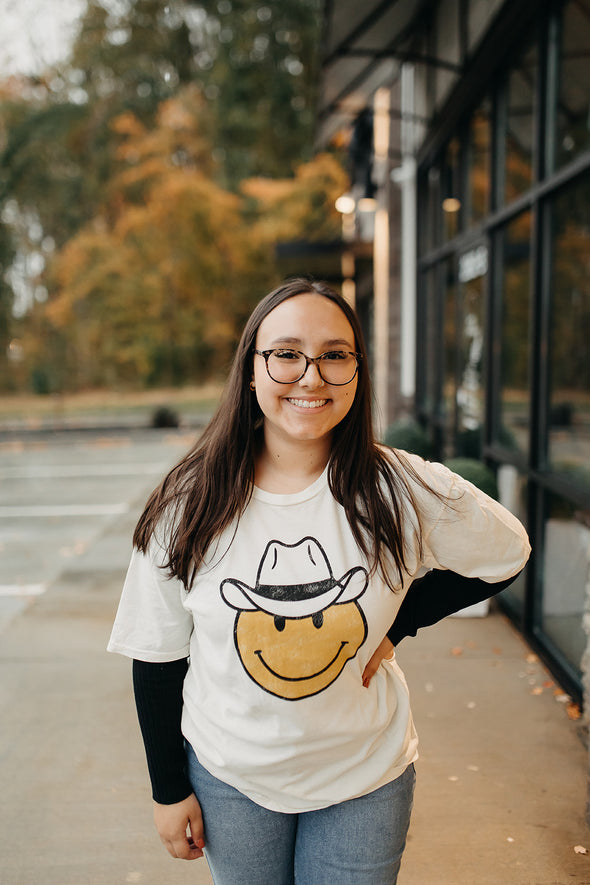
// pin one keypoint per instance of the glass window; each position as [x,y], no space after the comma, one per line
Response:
[521,87]
[569,406]
[513,494]
[478,154]
[450,193]
[513,430]
[431,349]
[430,223]
[565,570]
[479,15]
[449,391]
[573,104]
[473,267]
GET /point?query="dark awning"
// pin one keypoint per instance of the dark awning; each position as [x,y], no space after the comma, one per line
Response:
[365,44]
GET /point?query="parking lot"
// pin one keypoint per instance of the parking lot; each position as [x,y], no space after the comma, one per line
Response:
[60,492]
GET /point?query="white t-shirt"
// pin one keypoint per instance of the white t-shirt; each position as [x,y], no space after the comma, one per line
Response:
[279,626]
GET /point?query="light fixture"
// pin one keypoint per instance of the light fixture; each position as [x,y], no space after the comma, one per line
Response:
[451,204]
[367,204]
[345,204]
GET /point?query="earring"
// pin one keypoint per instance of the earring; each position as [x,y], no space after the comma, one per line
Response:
[252,385]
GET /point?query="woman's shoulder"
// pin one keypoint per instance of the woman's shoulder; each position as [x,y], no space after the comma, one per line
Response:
[417,472]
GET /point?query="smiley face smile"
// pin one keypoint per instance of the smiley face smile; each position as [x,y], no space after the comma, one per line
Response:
[258,652]
[301,659]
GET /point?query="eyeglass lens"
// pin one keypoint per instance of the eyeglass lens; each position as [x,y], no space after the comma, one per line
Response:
[335,367]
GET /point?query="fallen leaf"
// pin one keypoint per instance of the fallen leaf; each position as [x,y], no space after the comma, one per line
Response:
[537,690]
[579,849]
[532,659]
[561,697]
[573,711]
[548,684]
[457,651]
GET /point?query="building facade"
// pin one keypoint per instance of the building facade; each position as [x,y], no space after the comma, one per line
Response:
[476,300]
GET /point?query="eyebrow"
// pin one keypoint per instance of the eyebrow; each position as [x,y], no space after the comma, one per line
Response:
[332,342]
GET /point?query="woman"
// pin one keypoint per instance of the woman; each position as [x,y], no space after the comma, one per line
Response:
[274,570]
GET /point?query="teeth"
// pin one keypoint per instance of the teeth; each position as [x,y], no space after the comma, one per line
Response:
[309,404]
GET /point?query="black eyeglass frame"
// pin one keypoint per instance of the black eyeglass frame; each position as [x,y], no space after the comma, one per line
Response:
[310,359]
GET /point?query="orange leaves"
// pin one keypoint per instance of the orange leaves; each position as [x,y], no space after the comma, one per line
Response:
[159,279]
[156,287]
[301,207]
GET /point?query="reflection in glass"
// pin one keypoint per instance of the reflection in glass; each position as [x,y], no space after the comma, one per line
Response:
[566,554]
[479,163]
[430,223]
[520,103]
[450,357]
[471,341]
[512,494]
[573,105]
[569,413]
[450,191]
[431,333]
[513,431]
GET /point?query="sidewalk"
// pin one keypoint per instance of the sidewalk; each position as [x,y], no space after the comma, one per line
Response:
[501,779]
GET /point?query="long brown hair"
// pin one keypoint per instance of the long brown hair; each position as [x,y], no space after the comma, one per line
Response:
[210,487]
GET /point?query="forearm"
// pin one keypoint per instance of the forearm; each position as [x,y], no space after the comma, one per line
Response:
[435,596]
[158,698]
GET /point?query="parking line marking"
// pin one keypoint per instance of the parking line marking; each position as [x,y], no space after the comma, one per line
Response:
[49,510]
[63,471]
[22,589]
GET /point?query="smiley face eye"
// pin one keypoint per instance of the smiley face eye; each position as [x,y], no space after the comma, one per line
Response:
[279,623]
[318,620]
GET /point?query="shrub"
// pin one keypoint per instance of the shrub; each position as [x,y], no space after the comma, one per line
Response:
[164,417]
[408,435]
[476,472]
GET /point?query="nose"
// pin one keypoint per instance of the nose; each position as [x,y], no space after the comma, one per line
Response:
[311,376]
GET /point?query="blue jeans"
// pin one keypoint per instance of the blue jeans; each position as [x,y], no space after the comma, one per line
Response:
[357,842]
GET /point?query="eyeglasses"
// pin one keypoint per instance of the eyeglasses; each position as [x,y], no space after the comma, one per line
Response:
[337,367]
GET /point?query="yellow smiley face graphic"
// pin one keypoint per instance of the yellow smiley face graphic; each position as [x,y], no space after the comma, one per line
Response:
[298,625]
[294,658]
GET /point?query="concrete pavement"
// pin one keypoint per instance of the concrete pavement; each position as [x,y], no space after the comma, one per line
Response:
[501,780]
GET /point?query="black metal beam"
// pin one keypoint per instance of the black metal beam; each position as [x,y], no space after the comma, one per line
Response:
[423,10]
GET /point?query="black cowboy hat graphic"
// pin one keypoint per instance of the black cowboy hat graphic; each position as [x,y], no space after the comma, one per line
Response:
[294,581]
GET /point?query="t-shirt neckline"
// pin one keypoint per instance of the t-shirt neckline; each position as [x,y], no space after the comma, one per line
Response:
[294,497]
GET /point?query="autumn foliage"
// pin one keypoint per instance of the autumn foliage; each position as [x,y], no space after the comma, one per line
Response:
[136,195]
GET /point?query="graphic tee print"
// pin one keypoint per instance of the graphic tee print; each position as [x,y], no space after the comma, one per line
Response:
[298,626]
[278,633]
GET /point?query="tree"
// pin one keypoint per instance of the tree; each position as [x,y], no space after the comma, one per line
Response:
[138,251]
[259,66]
[300,207]
[155,290]
[6,298]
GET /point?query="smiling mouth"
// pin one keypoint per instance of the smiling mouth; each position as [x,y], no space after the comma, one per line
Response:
[307,403]
[258,654]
